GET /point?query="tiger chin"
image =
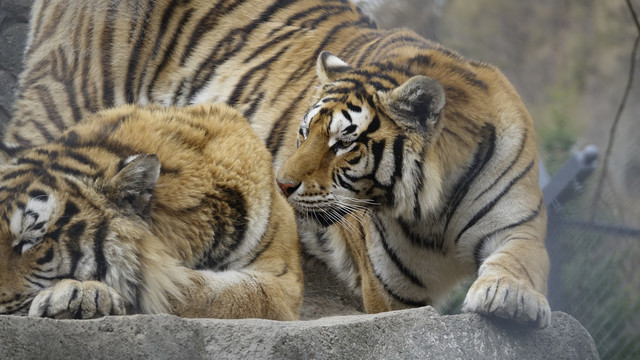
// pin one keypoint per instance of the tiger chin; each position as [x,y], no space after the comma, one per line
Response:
[404,197]
[148,210]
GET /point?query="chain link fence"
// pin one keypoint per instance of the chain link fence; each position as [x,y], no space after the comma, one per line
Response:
[594,273]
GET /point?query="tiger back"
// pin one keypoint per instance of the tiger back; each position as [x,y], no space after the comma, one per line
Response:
[148,210]
[409,167]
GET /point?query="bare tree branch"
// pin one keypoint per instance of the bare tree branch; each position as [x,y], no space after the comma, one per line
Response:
[616,120]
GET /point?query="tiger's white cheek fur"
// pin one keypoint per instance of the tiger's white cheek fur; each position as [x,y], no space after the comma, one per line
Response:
[28,226]
[347,126]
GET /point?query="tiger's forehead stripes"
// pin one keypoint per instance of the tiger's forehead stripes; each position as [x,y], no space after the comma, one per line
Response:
[347,125]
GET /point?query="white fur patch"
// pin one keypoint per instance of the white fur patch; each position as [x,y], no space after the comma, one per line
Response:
[339,127]
[334,61]
[30,224]
[306,119]
[131,158]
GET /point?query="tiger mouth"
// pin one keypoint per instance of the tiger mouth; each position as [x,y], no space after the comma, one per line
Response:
[326,217]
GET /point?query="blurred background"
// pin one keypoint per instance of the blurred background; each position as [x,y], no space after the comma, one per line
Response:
[570,61]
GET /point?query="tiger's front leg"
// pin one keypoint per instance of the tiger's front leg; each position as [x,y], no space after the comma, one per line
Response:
[72,299]
[511,284]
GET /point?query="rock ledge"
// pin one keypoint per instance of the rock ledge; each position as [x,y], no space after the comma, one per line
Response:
[406,334]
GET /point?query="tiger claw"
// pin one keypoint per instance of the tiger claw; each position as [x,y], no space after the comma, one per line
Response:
[72,299]
[508,298]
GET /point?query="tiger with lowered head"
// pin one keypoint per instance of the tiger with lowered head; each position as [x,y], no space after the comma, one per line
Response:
[410,168]
[148,210]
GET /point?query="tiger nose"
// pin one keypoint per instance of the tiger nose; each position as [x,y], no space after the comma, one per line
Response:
[287,188]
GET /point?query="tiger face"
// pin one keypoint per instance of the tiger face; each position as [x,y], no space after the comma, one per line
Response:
[36,222]
[344,159]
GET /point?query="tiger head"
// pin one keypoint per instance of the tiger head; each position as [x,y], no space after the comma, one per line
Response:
[363,144]
[56,223]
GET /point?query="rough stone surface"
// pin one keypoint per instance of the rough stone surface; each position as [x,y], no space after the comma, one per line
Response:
[408,334]
[14,18]
[417,333]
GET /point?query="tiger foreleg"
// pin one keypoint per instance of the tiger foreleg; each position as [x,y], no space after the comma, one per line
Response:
[72,299]
[511,284]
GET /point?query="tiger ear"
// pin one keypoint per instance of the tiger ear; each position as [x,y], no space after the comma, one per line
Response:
[417,103]
[329,67]
[132,187]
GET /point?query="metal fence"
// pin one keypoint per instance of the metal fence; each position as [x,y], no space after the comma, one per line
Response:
[595,275]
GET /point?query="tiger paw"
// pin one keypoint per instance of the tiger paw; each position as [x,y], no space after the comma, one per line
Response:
[71,299]
[508,298]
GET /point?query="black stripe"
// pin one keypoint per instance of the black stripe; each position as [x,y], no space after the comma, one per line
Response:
[171,49]
[34,162]
[15,174]
[377,149]
[470,77]
[398,156]
[308,65]
[366,54]
[280,126]
[33,282]
[206,24]
[434,242]
[485,209]
[395,258]
[45,278]
[67,170]
[347,116]
[402,299]
[75,231]
[48,256]
[234,99]
[228,224]
[70,210]
[477,252]
[339,178]
[39,194]
[81,158]
[354,108]
[89,100]
[42,34]
[43,130]
[106,47]
[102,266]
[66,77]
[167,15]
[483,154]
[134,57]
[50,106]
[513,162]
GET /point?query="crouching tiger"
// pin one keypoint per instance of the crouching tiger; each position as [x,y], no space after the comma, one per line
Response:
[148,210]
[415,167]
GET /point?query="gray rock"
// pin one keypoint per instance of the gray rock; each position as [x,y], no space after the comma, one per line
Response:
[14,18]
[407,334]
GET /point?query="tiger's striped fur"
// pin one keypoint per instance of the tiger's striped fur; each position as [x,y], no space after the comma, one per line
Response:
[148,210]
[435,182]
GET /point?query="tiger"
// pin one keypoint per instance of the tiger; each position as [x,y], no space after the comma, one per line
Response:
[147,209]
[410,168]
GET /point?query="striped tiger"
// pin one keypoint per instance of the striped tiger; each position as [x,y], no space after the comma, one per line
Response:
[149,210]
[410,168]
